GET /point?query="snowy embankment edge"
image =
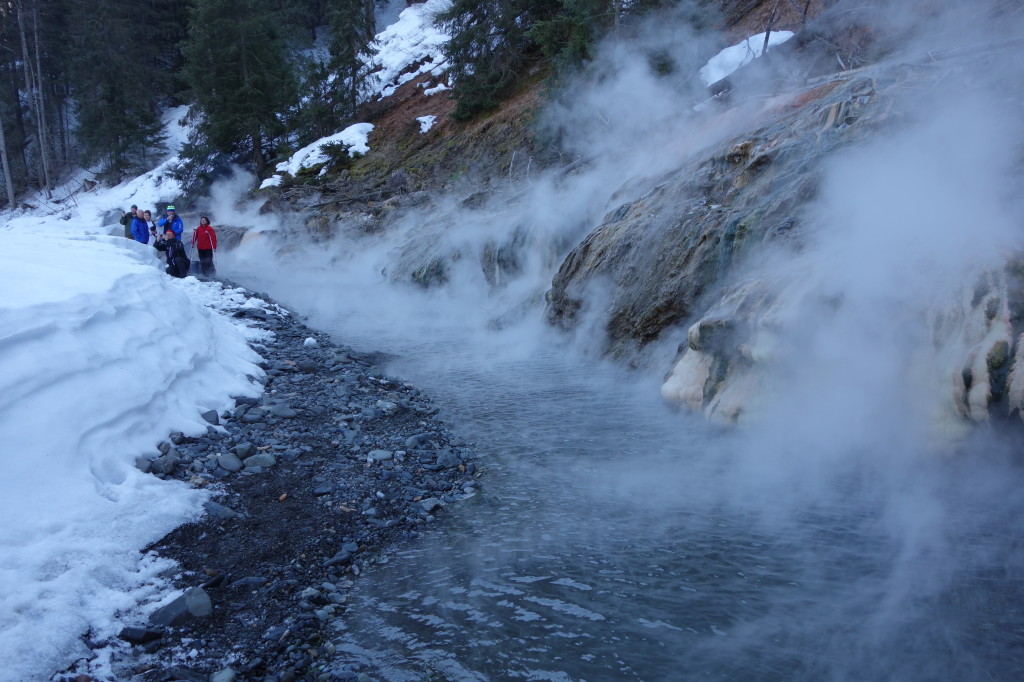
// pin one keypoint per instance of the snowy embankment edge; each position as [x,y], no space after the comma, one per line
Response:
[102,355]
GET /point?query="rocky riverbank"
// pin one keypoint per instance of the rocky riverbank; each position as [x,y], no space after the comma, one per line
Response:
[311,484]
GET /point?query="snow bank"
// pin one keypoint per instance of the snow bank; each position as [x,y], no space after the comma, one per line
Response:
[735,56]
[101,356]
[407,48]
[355,136]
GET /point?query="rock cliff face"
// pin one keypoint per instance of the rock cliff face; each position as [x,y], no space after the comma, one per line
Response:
[663,252]
[681,264]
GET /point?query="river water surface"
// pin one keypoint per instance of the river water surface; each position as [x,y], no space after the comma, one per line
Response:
[617,539]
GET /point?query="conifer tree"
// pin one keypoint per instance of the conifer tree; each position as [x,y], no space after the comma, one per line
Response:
[490,48]
[236,62]
[352,28]
[113,75]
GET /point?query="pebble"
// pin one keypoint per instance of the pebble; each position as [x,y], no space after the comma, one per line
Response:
[164,464]
[282,411]
[330,413]
[263,460]
[229,461]
[243,450]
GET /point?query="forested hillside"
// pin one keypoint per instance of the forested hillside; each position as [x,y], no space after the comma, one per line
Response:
[86,83]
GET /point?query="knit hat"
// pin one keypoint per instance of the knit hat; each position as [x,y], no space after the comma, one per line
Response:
[170,207]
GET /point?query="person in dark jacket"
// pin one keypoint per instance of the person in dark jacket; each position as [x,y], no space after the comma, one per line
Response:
[171,219]
[126,221]
[204,241]
[177,260]
[140,228]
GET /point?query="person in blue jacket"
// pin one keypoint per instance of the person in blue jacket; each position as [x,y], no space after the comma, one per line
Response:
[171,219]
[140,228]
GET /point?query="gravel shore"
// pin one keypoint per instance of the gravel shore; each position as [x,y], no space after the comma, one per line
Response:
[311,484]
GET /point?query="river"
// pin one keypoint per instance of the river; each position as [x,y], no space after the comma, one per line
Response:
[618,539]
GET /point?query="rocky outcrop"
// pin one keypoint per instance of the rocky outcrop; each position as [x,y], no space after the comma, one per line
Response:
[661,253]
[683,264]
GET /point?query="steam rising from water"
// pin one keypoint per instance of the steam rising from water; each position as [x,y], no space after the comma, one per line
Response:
[899,556]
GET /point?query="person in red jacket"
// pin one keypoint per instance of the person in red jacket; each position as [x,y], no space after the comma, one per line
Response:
[204,240]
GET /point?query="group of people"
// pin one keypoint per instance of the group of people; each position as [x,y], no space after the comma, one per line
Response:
[166,234]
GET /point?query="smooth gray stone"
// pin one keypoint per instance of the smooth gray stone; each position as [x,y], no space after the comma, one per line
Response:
[253,415]
[244,450]
[143,464]
[225,675]
[416,440]
[282,411]
[194,603]
[263,459]
[140,635]
[430,504]
[219,510]
[447,459]
[229,461]
[380,455]
[211,416]
[164,464]
[341,557]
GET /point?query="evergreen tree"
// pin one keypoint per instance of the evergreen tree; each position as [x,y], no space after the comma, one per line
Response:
[166,27]
[112,70]
[494,41]
[352,30]
[320,112]
[236,62]
[490,48]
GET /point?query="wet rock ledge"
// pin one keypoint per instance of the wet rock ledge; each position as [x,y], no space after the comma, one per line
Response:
[312,483]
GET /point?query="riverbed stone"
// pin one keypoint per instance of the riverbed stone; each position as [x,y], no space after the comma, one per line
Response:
[253,415]
[262,460]
[282,411]
[225,675]
[243,450]
[211,416]
[219,510]
[229,461]
[165,464]
[319,486]
[447,459]
[194,603]
[430,504]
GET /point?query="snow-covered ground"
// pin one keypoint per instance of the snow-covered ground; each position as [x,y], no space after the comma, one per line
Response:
[409,47]
[102,355]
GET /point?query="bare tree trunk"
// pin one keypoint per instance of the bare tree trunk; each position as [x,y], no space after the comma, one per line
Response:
[6,166]
[258,162]
[769,24]
[26,65]
[43,137]
[31,99]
